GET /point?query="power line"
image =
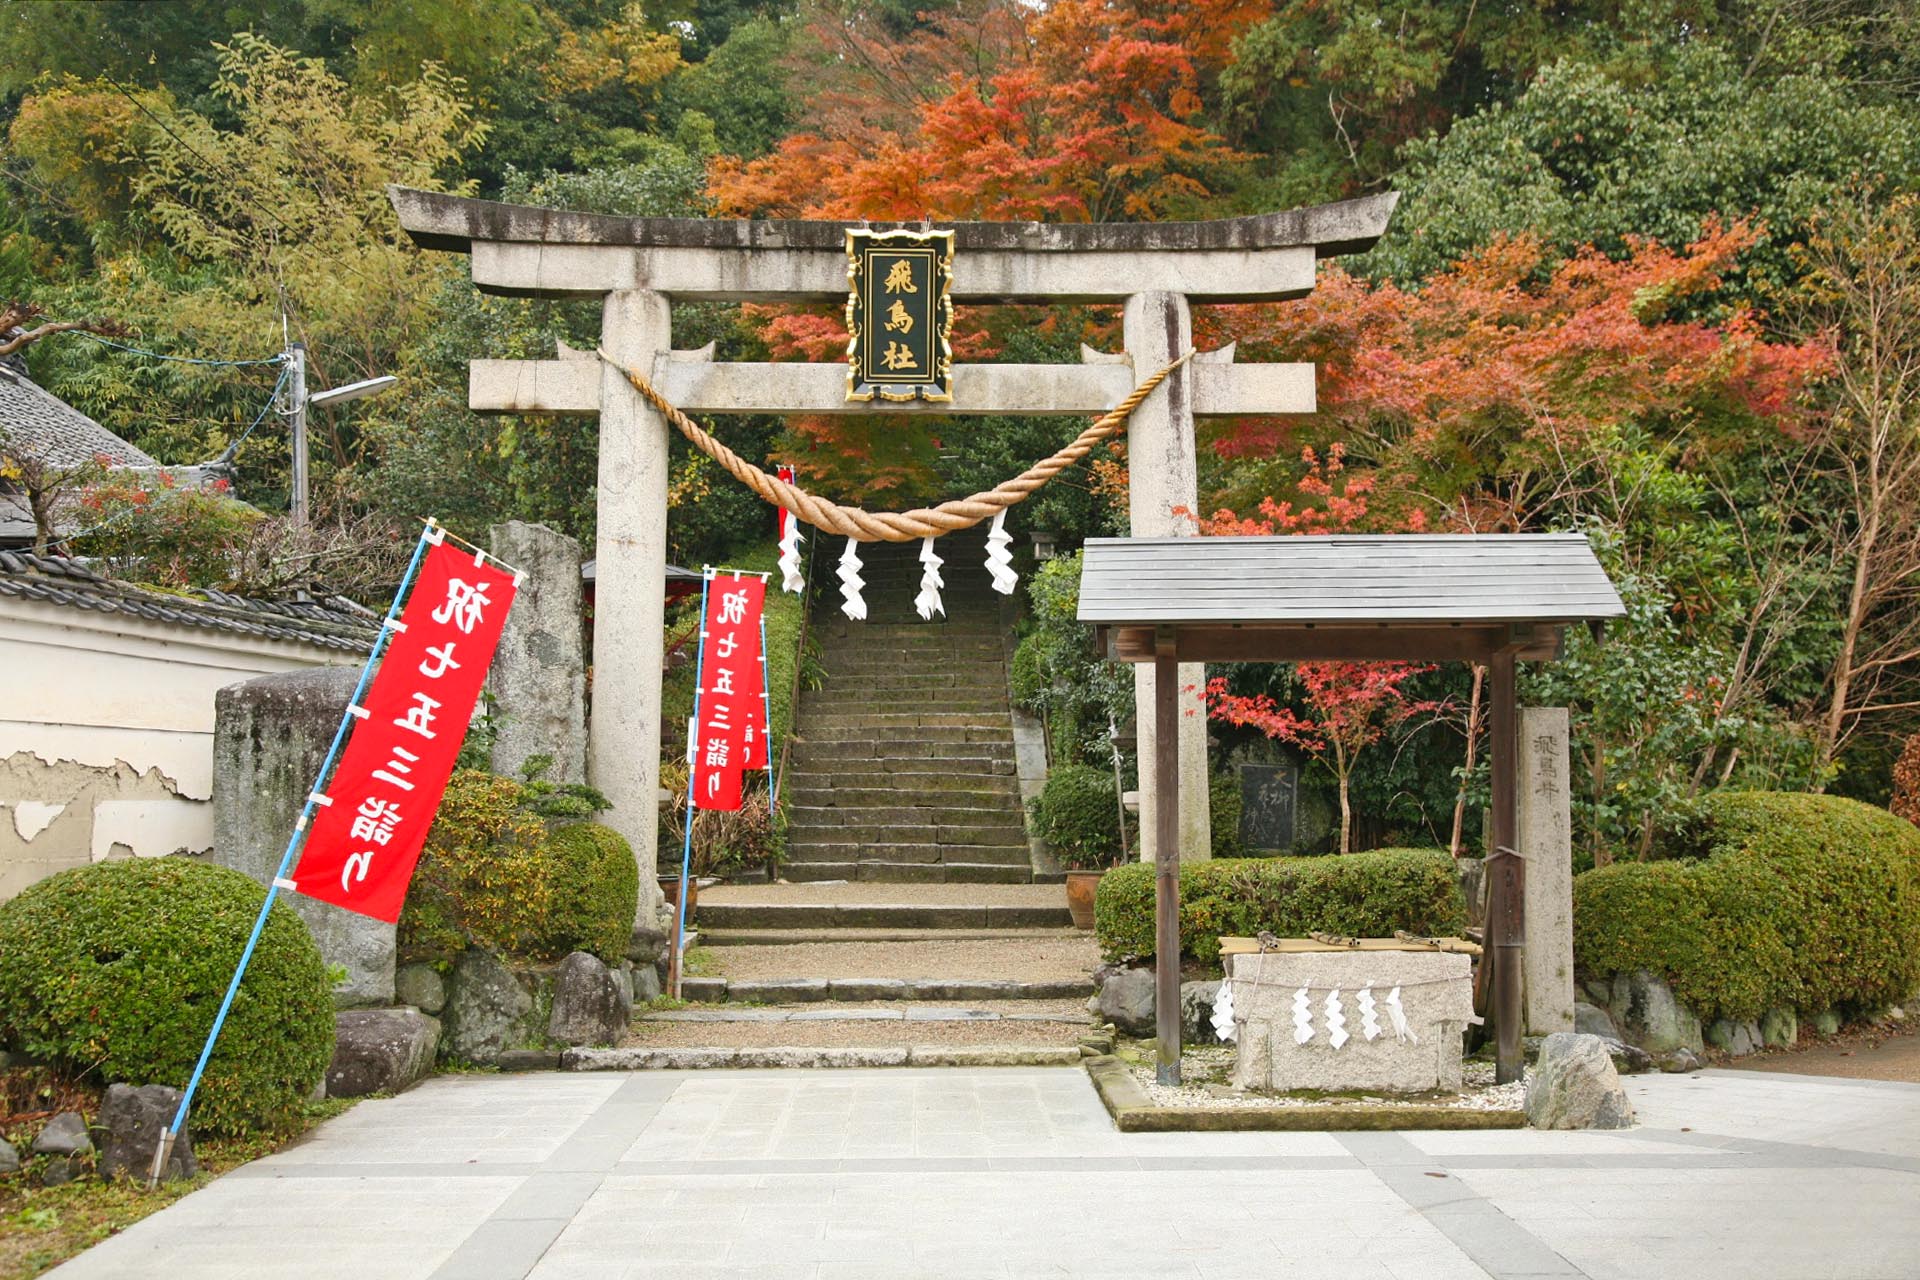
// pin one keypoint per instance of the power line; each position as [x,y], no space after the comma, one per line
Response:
[265,409]
[155,355]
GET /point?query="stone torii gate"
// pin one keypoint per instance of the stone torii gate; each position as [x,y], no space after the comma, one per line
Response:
[638,266]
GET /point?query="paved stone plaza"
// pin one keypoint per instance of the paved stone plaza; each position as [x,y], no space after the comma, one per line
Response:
[858,1175]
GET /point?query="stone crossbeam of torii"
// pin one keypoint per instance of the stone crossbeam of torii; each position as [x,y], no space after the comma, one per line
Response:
[637,266]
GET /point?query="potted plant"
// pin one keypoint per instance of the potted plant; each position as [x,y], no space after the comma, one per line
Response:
[1078,814]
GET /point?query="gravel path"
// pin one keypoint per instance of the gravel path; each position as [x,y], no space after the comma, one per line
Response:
[1886,1052]
[1014,959]
[865,893]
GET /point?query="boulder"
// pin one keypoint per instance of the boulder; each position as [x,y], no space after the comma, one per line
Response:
[1196,1012]
[539,674]
[60,1171]
[1126,1000]
[486,1009]
[646,946]
[1592,1020]
[1573,1085]
[1779,1028]
[421,986]
[588,1007]
[380,1051]
[1678,1062]
[65,1135]
[131,1122]
[1628,1059]
[9,1158]
[1647,1013]
[1827,1022]
[646,984]
[1735,1038]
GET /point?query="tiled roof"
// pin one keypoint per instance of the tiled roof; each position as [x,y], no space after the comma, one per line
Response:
[333,624]
[40,425]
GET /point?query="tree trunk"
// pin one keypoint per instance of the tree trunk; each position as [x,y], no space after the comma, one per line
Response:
[1343,768]
[1836,718]
[1473,742]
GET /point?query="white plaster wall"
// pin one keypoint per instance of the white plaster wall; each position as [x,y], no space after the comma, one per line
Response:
[106,734]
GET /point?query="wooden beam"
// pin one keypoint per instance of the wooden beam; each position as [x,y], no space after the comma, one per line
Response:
[1309,643]
[572,386]
[1166,871]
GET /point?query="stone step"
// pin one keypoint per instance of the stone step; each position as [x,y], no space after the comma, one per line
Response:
[879,915]
[900,853]
[855,826]
[911,771]
[773,1057]
[920,789]
[967,793]
[910,754]
[816,721]
[867,872]
[852,699]
[804,807]
[809,937]
[903,992]
[895,734]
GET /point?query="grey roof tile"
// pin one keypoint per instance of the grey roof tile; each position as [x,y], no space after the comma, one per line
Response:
[40,425]
[1350,579]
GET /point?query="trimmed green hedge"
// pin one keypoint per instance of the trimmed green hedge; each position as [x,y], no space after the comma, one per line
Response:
[595,887]
[1078,815]
[1783,900]
[1362,894]
[114,971]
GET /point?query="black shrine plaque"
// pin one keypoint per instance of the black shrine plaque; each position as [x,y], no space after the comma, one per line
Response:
[1267,796]
[899,315]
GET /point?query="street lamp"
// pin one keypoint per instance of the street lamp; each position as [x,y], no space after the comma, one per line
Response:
[299,401]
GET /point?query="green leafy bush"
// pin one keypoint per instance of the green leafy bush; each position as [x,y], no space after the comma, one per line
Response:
[1781,899]
[482,878]
[1367,895]
[1223,813]
[1078,815]
[114,970]
[594,891]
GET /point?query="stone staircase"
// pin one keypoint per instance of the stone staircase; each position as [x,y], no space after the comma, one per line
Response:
[902,766]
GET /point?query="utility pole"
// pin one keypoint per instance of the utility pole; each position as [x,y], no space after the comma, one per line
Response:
[297,422]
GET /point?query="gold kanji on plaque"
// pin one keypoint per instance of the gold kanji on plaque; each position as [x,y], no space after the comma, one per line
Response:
[899,315]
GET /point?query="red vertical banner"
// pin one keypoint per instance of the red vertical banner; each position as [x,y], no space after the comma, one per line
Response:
[780,514]
[729,719]
[381,799]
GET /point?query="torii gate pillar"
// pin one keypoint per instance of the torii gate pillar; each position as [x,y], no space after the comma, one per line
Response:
[1162,478]
[630,543]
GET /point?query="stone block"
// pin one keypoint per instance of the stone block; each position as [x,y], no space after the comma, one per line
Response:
[9,1158]
[647,945]
[1648,1014]
[1127,1001]
[1436,996]
[703,990]
[421,986]
[1678,1061]
[380,1051]
[779,990]
[270,737]
[588,1006]
[131,1122]
[528,1060]
[539,673]
[869,989]
[1736,1038]
[1592,1020]
[1573,1085]
[1779,1028]
[487,1009]
[64,1135]
[646,985]
[1196,1012]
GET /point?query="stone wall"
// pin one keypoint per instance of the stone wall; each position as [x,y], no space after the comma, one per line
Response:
[271,736]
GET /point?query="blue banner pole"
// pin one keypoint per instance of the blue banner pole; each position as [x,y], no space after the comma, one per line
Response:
[766,715]
[171,1134]
[676,961]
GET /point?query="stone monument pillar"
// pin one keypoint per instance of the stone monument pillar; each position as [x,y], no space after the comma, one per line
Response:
[623,738]
[539,675]
[1546,841]
[270,737]
[1162,475]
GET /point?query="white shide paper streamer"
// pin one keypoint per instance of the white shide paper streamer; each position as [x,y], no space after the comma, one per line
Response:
[853,604]
[999,559]
[927,603]
[790,579]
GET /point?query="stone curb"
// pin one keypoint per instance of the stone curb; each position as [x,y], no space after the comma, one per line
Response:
[814,990]
[808,915]
[642,1059]
[1134,1112]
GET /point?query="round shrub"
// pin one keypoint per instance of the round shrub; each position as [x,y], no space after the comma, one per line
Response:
[594,892]
[482,879]
[1078,815]
[1024,680]
[1364,895]
[115,970]
[1778,900]
[1223,815]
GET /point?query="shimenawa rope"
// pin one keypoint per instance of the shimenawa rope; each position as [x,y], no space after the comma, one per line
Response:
[898,526]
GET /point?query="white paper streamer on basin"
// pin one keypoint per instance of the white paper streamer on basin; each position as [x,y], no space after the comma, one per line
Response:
[1223,1025]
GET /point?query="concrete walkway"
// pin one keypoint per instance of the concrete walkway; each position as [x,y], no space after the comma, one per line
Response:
[865,1175]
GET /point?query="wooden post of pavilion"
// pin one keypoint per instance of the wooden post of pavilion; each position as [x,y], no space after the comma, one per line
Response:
[1497,599]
